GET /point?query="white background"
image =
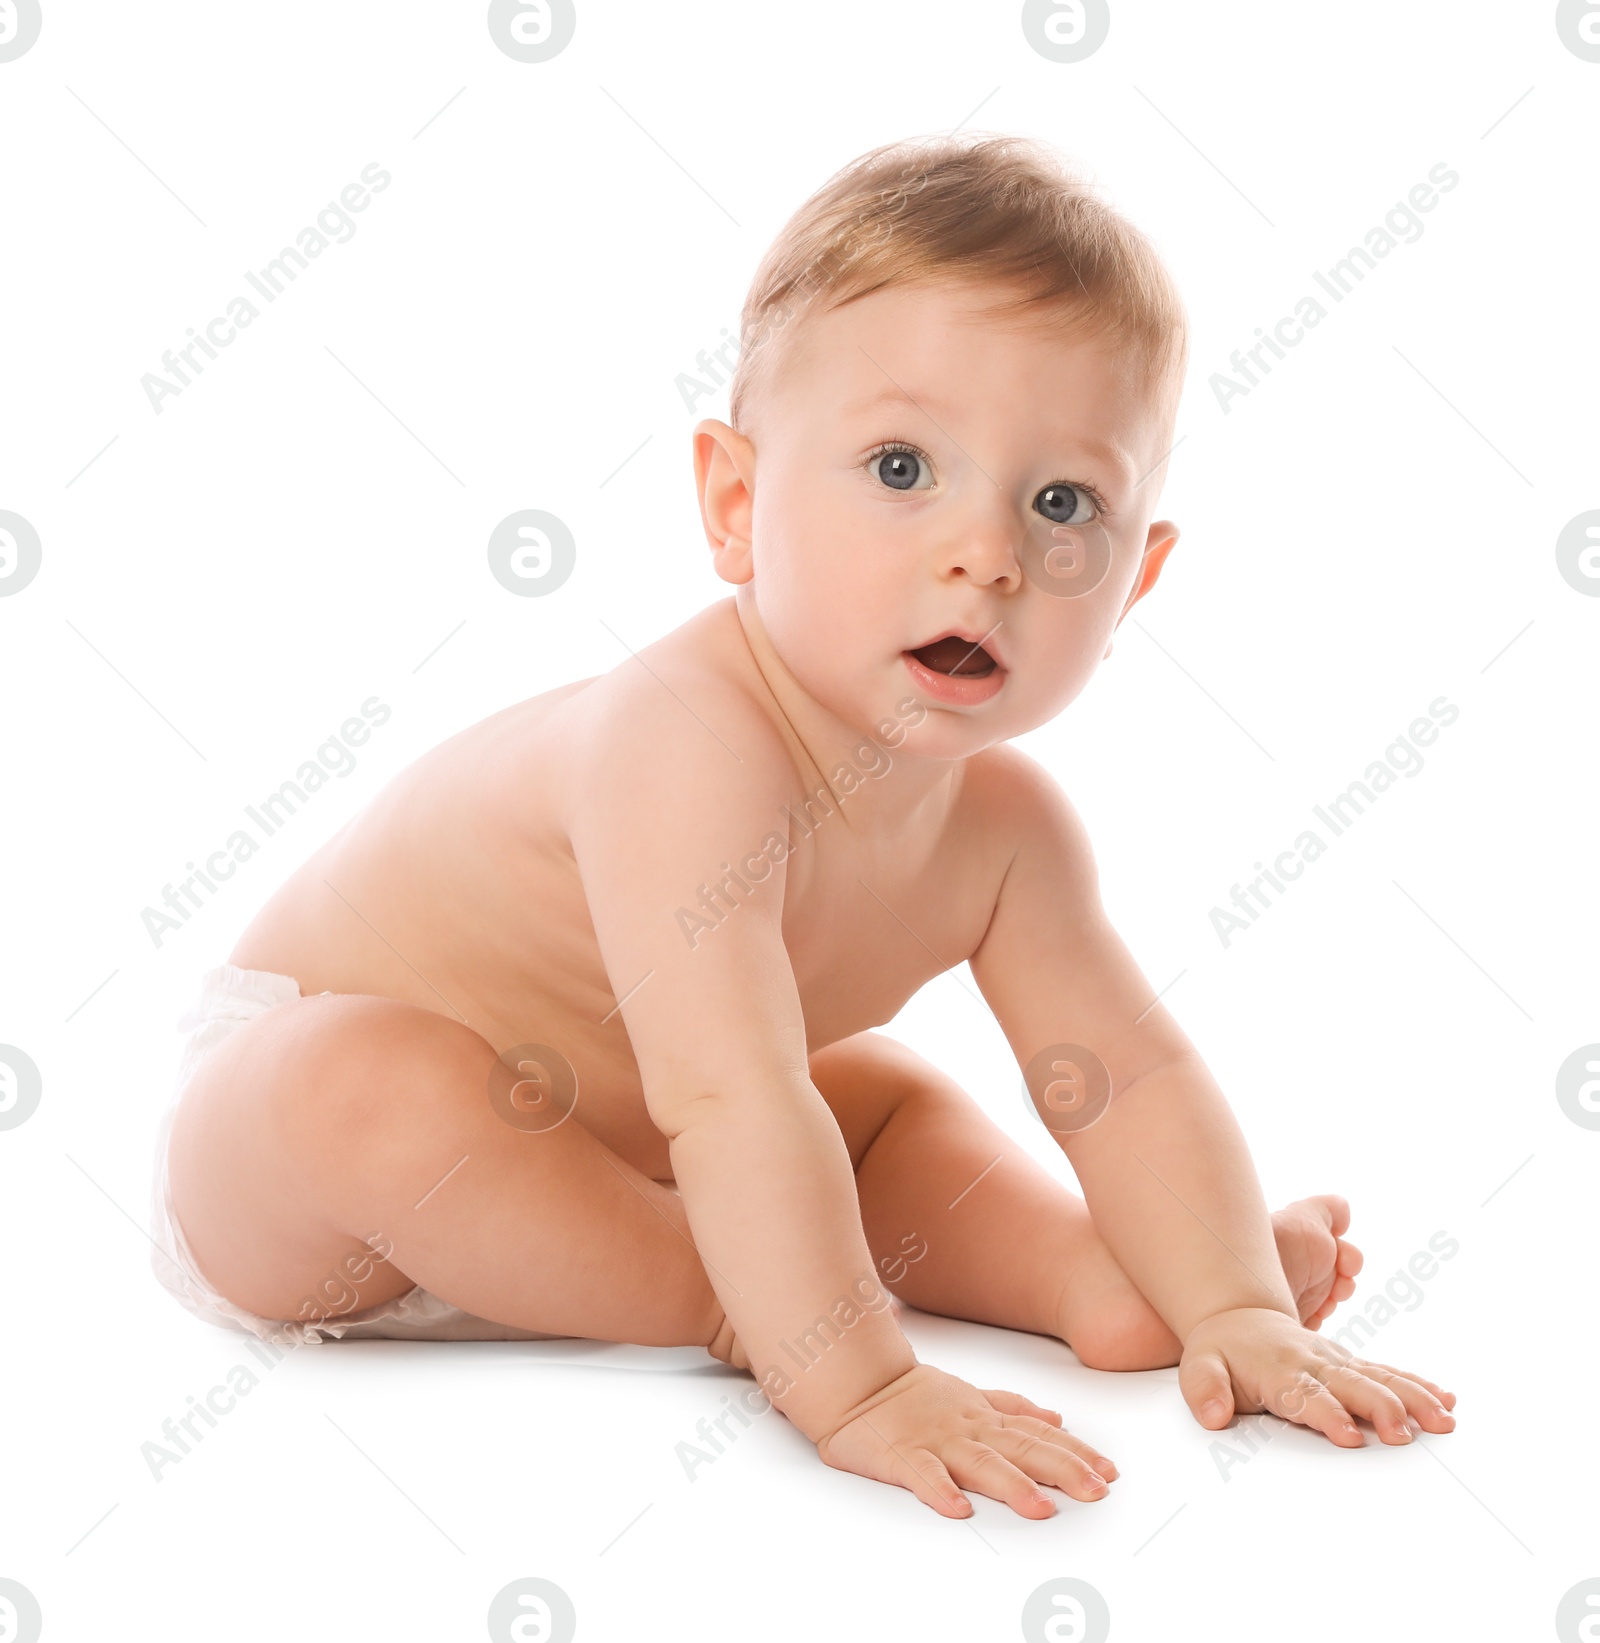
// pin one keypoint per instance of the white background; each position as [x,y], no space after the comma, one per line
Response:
[304,527]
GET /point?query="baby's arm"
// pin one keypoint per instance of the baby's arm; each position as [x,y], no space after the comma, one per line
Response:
[663,807]
[657,808]
[1164,1169]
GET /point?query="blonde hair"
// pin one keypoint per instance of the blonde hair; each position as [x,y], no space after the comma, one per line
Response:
[980,208]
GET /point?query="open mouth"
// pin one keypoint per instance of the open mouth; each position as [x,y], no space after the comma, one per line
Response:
[957,658]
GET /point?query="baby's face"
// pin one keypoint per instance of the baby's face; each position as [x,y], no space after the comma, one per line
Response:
[922,469]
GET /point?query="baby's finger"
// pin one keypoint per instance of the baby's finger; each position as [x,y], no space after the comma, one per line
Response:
[1207,1389]
[1421,1404]
[1091,1456]
[1307,1402]
[1013,1403]
[1362,1395]
[1050,1462]
[976,1466]
[924,1474]
[1448,1399]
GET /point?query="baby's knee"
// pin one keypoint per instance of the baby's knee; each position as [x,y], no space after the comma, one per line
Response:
[1123,1336]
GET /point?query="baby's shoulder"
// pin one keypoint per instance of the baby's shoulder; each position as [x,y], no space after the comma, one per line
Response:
[1004,785]
[1013,801]
[689,707]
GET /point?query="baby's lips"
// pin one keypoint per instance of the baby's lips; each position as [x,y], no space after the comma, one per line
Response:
[964,644]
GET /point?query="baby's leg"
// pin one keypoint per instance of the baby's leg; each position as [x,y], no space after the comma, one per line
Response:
[334,1119]
[1006,1243]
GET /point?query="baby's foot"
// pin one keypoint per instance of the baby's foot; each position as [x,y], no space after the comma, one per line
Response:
[1320,1266]
[1110,1325]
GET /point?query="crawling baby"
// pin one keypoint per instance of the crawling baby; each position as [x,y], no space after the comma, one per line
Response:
[570,1031]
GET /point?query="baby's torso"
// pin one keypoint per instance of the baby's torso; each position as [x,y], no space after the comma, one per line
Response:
[456,890]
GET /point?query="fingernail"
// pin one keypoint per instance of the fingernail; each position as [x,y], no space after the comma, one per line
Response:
[1094,1480]
[1212,1409]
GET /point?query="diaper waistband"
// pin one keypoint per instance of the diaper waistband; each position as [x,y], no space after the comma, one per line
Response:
[230,992]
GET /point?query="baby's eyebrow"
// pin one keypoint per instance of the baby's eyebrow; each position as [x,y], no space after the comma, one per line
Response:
[895,395]
[1104,451]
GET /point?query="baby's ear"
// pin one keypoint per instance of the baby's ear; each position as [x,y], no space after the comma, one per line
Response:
[1163,538]
[724,477]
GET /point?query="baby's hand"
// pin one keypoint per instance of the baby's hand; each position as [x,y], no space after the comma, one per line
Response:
[1254,1359]
[935,1434]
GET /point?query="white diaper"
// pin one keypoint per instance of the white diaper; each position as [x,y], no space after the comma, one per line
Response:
[230,996]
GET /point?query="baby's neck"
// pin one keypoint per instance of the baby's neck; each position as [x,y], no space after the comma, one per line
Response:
[878,783]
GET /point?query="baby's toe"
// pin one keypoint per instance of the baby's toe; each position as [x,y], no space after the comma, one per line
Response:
[1334,1211]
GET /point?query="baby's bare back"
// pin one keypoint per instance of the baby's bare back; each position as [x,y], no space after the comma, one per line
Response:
[456,888]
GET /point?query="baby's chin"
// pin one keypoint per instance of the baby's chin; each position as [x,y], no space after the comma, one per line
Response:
[955,731]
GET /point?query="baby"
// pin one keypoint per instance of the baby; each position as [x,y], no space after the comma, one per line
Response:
[569,1033]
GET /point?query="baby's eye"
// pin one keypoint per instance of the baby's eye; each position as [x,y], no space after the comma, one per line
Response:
[1065,504]
[902,468]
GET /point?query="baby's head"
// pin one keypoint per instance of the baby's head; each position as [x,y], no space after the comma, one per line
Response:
[958,377]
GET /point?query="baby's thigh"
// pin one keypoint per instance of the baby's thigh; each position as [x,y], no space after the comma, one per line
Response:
[866,1078]
[300,1123]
